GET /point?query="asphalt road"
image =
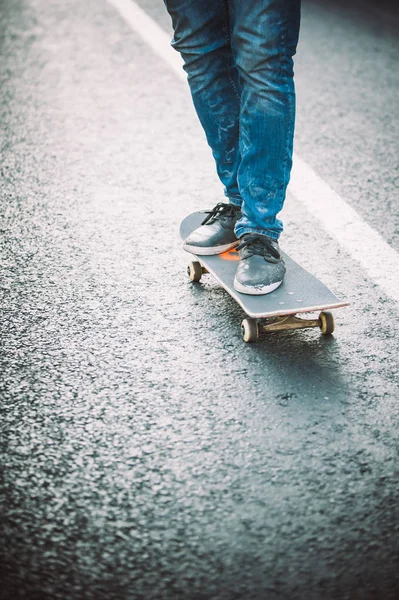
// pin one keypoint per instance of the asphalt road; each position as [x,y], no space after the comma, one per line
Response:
[146,451]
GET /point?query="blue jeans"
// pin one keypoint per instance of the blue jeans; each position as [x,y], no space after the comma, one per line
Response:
[238,57]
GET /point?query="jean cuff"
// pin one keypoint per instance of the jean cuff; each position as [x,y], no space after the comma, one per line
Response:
[234,200]
[240,231]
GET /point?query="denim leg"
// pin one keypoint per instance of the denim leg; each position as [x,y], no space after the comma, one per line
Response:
[264,36]
[202,36]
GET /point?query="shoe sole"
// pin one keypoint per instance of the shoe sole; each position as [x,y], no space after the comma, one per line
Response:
[256,290]
[209,251]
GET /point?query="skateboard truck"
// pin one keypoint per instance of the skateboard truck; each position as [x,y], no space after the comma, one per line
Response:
[251,328]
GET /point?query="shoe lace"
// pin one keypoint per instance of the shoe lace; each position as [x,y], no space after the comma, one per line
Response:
[220,210]
[261,245]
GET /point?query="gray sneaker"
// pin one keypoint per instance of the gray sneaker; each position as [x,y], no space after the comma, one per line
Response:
[261,269]
[216,233]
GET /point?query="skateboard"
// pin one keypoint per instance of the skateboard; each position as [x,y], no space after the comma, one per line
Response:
[281,310]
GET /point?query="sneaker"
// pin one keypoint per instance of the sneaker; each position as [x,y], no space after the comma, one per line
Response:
[261,269]
[216,233]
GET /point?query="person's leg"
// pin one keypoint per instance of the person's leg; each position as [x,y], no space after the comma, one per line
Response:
[264,36]
[202,36]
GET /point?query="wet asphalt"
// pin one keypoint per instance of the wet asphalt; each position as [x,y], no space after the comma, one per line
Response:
[146,451]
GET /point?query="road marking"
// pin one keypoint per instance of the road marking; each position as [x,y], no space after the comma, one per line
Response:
[362,242]
[151,33]
[345,225]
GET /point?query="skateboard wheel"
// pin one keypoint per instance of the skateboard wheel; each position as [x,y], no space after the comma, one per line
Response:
[194,270]
[249,330]
[327,325]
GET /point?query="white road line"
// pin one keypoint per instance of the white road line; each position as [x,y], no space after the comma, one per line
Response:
[362,242]
[151,33]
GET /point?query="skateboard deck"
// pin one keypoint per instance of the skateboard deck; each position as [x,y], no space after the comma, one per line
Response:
[300,291]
